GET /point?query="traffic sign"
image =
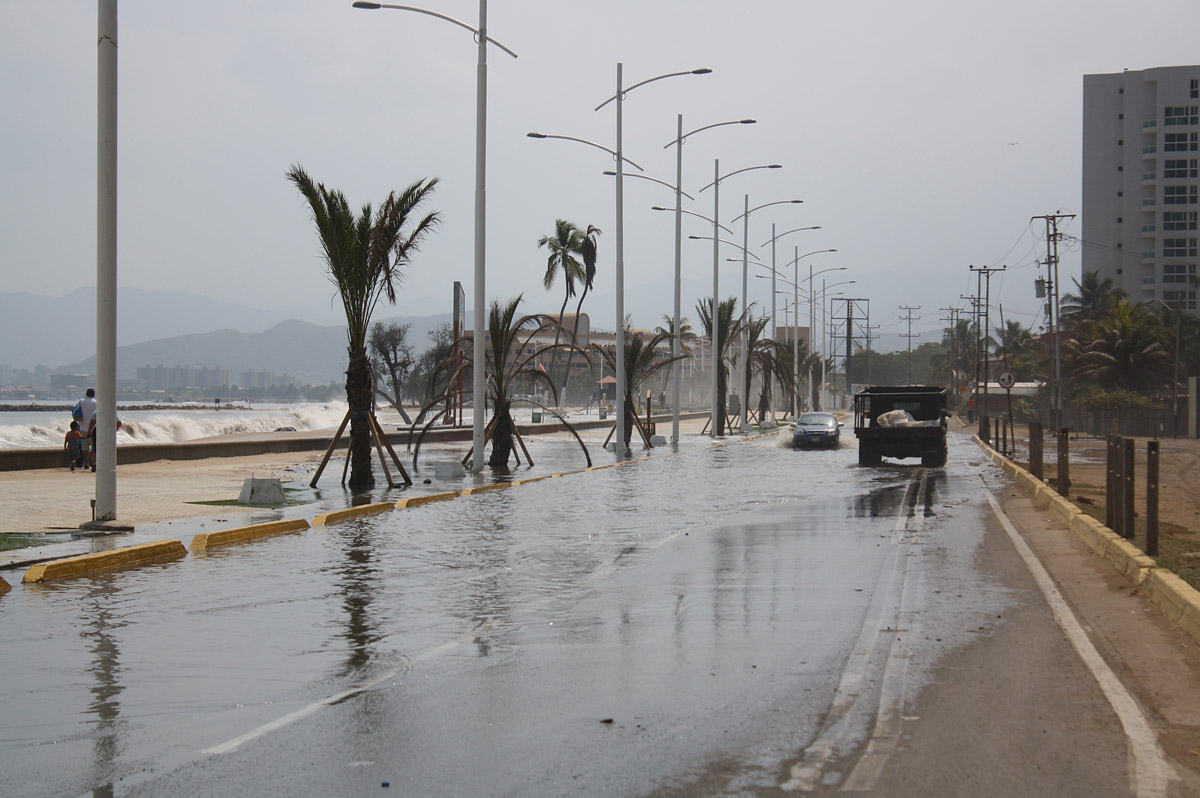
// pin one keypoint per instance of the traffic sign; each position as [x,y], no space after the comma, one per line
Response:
[1006,379]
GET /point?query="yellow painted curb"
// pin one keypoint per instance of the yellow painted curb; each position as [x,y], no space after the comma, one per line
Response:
[104,560]
[595,468]
[485,488]
[1129,560]
[428,498]
[206,540]
[1178,600]
[325,519]
[533,479]
[4,586]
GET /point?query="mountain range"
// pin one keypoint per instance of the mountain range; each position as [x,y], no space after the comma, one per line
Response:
[177,328]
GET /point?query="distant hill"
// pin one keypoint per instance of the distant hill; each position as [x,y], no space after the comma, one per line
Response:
[307,352]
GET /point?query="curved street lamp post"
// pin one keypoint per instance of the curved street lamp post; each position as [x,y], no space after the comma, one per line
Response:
[619,438]
[479,403]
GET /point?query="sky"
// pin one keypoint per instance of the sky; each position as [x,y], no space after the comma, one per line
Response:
[921,136]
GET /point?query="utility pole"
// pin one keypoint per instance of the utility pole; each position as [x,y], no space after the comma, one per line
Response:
[909,318]
[985,278]
[953,322]
[1053,319]
[868,328]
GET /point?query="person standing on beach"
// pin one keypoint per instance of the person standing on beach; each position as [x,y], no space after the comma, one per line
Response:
[87,421]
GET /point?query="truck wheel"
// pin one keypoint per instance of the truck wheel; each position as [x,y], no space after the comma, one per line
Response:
[935,459]
[869,454]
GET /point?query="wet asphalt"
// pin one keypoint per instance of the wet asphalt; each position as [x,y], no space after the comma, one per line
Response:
[728,620]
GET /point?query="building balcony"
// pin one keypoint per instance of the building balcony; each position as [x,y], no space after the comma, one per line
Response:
[1149,229]
[1149,202]
[1149,149]
[1149,123]
[1148,176]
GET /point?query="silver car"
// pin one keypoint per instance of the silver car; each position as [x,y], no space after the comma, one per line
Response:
[816,429]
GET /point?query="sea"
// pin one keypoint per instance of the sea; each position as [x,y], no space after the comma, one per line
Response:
[172,422]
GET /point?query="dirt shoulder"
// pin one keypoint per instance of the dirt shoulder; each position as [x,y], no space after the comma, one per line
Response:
[1179,491]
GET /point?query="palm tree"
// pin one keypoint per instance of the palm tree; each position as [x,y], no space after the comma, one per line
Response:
[728,327]
[1096,299]
[566,246]
[364,255]
[686,337]
[587,251]
[1128,350]
[642,362]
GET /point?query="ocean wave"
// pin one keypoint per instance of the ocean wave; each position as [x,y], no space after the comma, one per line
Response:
[175,427]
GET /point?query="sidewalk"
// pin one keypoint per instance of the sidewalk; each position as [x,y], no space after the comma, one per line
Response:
[150,496]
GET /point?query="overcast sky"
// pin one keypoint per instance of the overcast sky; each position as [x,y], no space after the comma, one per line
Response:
[922,136]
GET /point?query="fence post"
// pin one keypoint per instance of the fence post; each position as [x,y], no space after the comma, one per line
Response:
[1110,482]
[1035,449]
[985,429]
[1127,474]
[1064,466]
[1152,498]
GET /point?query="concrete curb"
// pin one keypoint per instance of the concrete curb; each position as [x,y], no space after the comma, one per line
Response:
[334,516]
[485,488]
[207,540]
[428,498]
[105,560]
[1178,600]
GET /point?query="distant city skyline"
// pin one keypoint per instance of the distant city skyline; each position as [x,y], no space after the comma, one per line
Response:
[921,137]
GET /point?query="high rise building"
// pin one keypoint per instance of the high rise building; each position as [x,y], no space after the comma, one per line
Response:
[1141,177]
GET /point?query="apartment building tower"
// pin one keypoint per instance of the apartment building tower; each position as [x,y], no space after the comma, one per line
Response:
[1141,178]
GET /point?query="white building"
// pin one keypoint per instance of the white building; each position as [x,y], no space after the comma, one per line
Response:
[1141,177]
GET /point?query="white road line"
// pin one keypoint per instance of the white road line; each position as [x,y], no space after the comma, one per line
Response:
[806,774]
[304,712]
[894,688]
[1149,770]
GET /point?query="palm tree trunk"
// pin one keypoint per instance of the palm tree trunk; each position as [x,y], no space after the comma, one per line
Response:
[358,396]
[502,435]
[627,433]
[571,354]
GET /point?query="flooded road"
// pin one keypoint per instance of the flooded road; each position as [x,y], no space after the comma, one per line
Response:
[742,619]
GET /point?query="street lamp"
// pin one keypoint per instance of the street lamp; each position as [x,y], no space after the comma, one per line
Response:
[479,351]
[692,213]
[652,180]
[676,338]
[745,217]
[715,185]
[619,439]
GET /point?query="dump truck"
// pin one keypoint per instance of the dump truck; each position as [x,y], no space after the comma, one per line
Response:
[901,421]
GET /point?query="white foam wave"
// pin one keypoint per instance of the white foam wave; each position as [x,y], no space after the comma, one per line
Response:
[157,426]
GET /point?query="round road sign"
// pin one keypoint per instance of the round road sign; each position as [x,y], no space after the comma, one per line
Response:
[1006,379]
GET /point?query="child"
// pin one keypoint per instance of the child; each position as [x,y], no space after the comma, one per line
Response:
[73,443]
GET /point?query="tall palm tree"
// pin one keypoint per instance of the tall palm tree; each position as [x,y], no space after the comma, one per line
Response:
[566,247]
[587,251]
[1096,299]
[364,255]
[728,326]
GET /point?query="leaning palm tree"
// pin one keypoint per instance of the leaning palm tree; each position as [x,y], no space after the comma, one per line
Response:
[364,255]
[728,327]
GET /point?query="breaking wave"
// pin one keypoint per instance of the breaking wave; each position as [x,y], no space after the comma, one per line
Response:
[23,430]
